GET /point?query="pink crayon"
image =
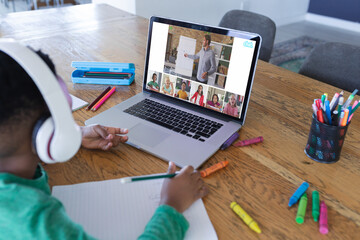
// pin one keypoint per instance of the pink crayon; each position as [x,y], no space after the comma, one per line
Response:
[323,223]
[248,141]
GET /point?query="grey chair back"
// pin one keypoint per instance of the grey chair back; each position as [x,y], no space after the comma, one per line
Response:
[337,64]
[252,22]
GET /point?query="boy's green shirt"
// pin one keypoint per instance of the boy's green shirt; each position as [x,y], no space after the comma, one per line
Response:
[28,211]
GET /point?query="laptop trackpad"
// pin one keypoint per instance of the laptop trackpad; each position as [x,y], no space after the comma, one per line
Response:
[147,135]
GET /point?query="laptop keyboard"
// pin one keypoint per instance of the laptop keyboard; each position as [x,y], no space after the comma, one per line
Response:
[174,119]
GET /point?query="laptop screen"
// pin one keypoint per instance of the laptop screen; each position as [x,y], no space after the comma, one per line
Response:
[205,66]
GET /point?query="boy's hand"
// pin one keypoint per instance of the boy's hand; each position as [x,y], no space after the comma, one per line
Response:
[182,190]
[100,137]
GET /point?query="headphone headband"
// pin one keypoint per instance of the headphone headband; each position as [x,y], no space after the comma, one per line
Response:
[66,137]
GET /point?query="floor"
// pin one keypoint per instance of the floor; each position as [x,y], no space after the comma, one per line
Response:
[315,30]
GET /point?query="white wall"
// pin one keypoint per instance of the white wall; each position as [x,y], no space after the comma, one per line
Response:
[210,12]
[199,11]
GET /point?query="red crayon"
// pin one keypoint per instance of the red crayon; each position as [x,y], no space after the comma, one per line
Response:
[248,141]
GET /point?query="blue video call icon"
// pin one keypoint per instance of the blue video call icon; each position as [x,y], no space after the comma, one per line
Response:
[248,44]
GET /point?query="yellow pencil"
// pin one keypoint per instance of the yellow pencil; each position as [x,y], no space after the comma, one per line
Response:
[245,217]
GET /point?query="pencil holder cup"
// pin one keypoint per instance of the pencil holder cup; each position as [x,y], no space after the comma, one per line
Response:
[325,141]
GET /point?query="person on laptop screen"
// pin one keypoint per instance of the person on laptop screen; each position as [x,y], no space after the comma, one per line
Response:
[231,107]
[198,96]
[206,56]
[214,103]
[168,87]
[181,93]
[28,211]
[153,84]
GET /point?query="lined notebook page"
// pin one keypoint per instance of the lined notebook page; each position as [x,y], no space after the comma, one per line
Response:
[112,210]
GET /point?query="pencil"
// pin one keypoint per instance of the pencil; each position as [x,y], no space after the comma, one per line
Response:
[103,99]
[98,98]
[148,177]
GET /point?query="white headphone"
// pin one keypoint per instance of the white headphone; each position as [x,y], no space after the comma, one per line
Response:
[56,138]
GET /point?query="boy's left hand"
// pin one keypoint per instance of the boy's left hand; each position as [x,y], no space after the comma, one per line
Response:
[100,137]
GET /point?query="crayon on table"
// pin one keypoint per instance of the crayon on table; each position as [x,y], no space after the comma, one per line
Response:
[300,215]
[315,205]
[323,222]
[298,193]
[206,172]
[229,141]
[248,141]
[245,217]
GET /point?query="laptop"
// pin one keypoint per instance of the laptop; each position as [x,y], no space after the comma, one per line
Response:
[196,89]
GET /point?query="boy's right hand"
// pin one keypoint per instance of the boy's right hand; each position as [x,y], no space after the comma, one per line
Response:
[181,191]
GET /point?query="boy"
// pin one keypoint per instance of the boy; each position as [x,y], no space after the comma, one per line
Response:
[27,210]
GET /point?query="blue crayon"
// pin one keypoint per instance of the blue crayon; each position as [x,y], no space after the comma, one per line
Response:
[299,192]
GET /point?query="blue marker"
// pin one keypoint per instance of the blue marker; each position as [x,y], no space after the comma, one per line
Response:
[328,112]
[299,192]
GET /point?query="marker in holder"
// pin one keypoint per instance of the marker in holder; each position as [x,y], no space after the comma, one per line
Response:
[325,141]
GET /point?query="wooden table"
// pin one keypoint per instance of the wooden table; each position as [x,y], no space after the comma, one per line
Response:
[260,177]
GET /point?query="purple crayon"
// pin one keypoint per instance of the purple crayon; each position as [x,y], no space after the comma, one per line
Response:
[248,141]
[298,193]
[229,141]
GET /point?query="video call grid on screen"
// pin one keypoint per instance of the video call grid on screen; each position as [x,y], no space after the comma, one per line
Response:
[178,60]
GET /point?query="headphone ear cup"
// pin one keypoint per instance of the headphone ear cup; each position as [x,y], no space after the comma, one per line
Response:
[41,138]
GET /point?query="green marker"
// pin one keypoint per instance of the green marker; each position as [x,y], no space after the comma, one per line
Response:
[323,97]
[302,209]
[146,177]
[315,205]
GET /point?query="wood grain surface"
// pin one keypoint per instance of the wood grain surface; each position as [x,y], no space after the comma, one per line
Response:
[260,177]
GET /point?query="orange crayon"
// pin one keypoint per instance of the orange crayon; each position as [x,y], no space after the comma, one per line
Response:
[214,168]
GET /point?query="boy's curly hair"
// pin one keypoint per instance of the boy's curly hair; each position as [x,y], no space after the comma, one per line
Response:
[19,95]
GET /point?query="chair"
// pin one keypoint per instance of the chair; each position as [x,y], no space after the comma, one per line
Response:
[337,64]
[252,22]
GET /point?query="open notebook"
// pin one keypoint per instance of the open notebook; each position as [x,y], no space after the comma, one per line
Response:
[113,210]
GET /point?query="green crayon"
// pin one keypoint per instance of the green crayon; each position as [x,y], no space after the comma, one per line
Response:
[315,205]
[302,209]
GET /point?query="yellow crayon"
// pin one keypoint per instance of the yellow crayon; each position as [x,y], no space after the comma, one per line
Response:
[245,217]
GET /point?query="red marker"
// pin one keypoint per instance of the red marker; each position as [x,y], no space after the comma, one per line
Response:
[320,117]
[317,102]
[248,141]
